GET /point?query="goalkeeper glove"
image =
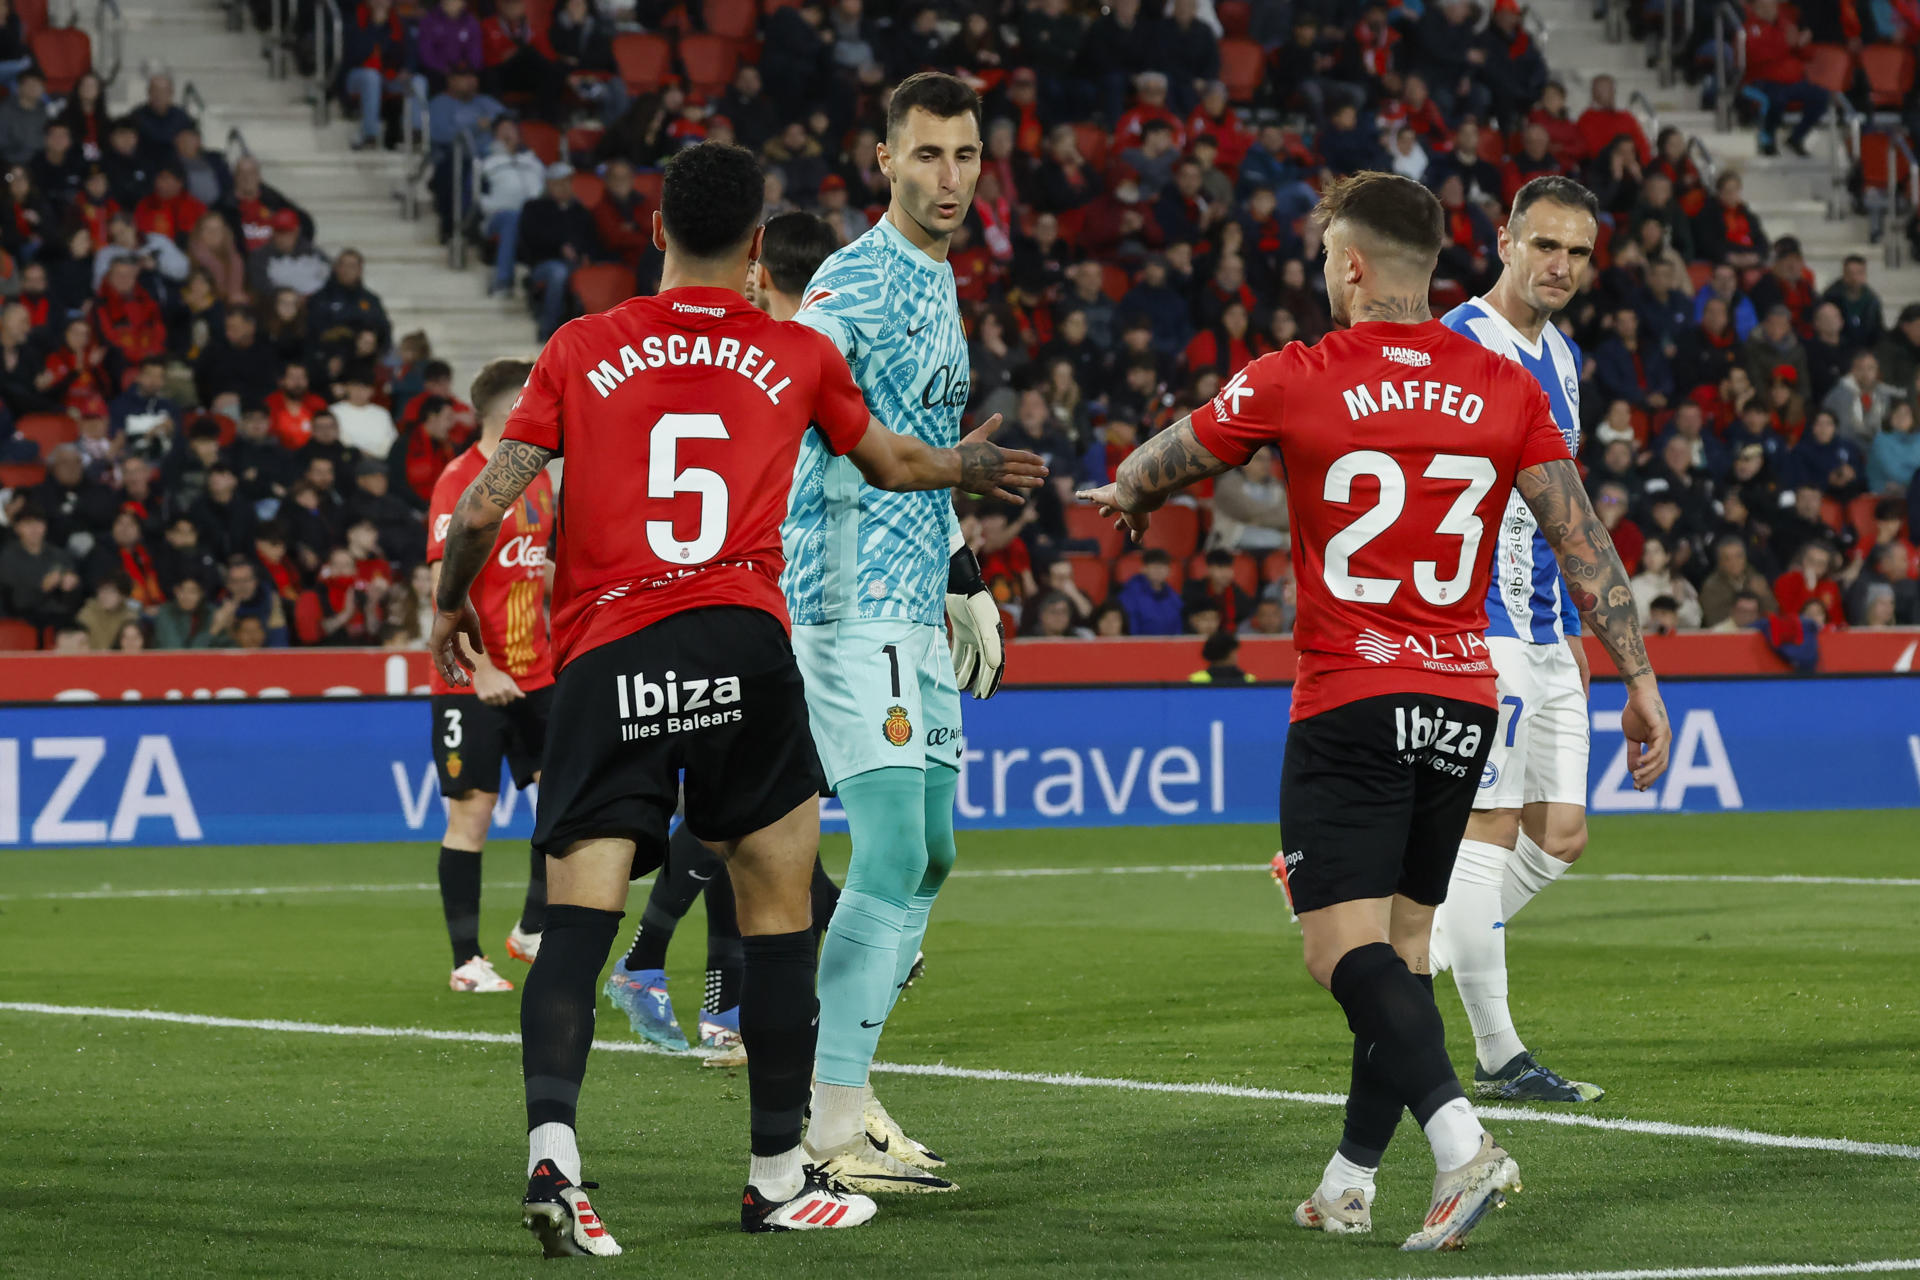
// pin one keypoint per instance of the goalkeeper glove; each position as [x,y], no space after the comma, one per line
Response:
[979,639]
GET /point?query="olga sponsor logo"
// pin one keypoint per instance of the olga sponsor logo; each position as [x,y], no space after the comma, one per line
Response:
[673,705]
[523,552]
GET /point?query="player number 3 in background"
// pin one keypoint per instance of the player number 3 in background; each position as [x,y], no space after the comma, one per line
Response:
[664,484]
[1460,522]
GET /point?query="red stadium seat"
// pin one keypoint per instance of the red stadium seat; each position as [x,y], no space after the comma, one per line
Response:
[64,55]
[647,183]
[542,139]
[588,189]
[768,6]
[734,19]
[1699,273]
[17,636]
[644,60]
[1246,572]
[32,15]
[1832,514]
[307,615]
[1889,71]
[1830,66]
[1236,17]
[710,61]
[1175,530]
[1085,521]
[1277,566]
[1860,515]
[21,475]
[1493,147]
[1093,143]
[602,285]
[582,141]
[1114,280]
[1090,575]
[48,430]
[1242,66]
[1876,155]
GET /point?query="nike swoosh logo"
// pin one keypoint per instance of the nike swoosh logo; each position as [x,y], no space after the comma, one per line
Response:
[879,1143]
[914,333]
[695,875]
[871,1025]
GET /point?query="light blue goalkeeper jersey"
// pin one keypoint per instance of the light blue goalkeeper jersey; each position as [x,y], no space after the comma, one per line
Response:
[853,551]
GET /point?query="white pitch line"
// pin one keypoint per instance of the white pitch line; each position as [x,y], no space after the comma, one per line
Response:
[1718,1273]
[1655,1128]
[992,873]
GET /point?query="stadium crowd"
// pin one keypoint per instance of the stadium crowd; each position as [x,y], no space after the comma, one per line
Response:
[236,452]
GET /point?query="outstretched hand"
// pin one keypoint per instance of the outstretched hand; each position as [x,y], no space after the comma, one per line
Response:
[986,468]
[1134,523]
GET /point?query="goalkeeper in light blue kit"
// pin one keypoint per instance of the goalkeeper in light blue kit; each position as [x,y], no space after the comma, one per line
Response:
[871,580]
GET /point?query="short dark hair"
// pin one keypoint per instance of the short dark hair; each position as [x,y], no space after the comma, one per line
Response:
[432,405]
[1155,555]
[1219,555]
[1219,646]
[1155,126]
[934,92]
[711,198]
[1663,602]
[435,371]
[495,379]
[793,248]
[1852,258]
[1395,209]
[271,531]
[1560,190]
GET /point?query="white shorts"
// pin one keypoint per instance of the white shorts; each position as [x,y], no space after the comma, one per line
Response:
[880,695]
[1540,748]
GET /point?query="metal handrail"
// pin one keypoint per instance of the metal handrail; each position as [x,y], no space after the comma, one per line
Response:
[1639,99]
[462,163]
[112,34]
[276,49]
[236,148]
[1709,171]
[1536,28]
[191,102]
[1616,21]
[1666,61]
[415,154]
[1729,62]
[326,19]
[1843,150]
[1895,247]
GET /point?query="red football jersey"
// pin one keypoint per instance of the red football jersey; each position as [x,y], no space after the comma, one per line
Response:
[1400,444]
[510,595]
[680,418]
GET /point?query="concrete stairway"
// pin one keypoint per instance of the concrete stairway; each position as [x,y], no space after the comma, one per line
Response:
[1791,194]
[351,195]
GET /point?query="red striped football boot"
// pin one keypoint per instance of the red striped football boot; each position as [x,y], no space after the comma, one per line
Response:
[820,1203]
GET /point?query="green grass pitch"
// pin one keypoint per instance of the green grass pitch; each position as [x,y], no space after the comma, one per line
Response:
[140,1149]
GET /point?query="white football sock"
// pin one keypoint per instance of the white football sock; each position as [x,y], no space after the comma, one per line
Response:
[839,1116]
[1343,1173]
[1529,870]
[1454,1133]
[556,1142]
[776,1177]
[1476,940]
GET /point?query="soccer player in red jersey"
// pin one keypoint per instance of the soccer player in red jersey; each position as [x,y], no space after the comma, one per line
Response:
[502,714]
[1401,440]
[680,417]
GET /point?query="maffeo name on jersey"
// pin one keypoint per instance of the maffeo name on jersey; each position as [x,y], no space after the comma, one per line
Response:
[648,710]
[1416,731]
[1413,393]
[678,349]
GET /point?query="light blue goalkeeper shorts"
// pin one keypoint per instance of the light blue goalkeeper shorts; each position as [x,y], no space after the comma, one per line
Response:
[880,695]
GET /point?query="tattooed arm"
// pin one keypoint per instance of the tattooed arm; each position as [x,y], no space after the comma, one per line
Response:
[1169,461]
[901,464]
[476,523]
[1597,582]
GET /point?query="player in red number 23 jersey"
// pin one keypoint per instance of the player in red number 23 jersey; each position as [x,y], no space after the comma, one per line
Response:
[1400,440]
[680,417]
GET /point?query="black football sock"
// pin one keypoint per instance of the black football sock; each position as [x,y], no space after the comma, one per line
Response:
[460,901]
[826,896]
[689,868]
[1373,1112]
[726,963]
[1390,1008]
[779,1019]
[533,913]
[556,1010]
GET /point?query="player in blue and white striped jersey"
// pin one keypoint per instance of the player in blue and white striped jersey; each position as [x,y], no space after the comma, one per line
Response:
[1530,817]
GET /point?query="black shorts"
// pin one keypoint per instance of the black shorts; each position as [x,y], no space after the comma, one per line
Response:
[1375,795]
[713,692]
[470,739]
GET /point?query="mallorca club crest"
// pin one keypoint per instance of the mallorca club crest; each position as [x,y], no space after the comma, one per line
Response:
[453,764]
[897,727]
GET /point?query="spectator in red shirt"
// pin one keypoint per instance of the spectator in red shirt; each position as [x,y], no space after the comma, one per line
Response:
[1788,284]
[1563,135]
[169,211]
[1809,579]
[129,317]
[1228,346]
[80,368]
[436,379]
[625,222]
[1777,71]
[1150,89]
[1215,115]
[1602,122]
[292,407]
